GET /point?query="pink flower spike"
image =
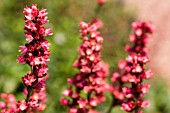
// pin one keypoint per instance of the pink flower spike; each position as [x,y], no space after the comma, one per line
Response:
[91,79]
[132,71]
[35,54]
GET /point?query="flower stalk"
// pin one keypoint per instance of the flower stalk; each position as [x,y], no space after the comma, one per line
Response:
[35,54]
[130,89]
[90,81]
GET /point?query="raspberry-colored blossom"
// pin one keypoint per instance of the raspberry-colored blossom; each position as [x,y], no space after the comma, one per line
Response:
[35,53]
[101,1]
[91,78]
[132,71]
[9,103]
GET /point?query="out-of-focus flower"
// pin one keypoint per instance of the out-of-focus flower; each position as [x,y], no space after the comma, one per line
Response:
[133,71]
[91,78]
[101,1]
[9,103]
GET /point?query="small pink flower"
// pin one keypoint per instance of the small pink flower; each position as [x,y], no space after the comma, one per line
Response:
[143,103]
[140,111]
[41,107]
[128,106]
[101,1]
[115,77]
[137,69]
[41,30]
[33,104]
[143,88]
[41,70]
[84,25]
[48,32]
[28,79]
[117,94]
[122,64]
[67,92]
[148,74]
[22,106]
[64,101]
[23,49]
[21,59]
[31,26]
[2,105]
[29,36]
[40,86]
[42,13]
[73,110]
[93,102]
[82,103]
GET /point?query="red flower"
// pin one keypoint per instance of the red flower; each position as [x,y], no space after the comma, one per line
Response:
[91,78]
[133,71]
[35,54]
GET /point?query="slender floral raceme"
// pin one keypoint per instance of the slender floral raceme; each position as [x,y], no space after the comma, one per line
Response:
[131,90]
[87,86]
[35,53]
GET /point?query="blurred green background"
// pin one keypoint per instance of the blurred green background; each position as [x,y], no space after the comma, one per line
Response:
[65,16]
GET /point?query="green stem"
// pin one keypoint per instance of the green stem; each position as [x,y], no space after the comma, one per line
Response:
[111,106]
[97,10]
[29,89]
[29,93]
[88,96]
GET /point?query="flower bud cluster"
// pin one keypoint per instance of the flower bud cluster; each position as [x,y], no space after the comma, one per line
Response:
[89,85]
[130,90]
[8,103]
[35,53]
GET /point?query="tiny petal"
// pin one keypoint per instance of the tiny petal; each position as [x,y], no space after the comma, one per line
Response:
[143,103]
[28,79]
[22,106]
[23,49]
[48,32]
[21,59]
